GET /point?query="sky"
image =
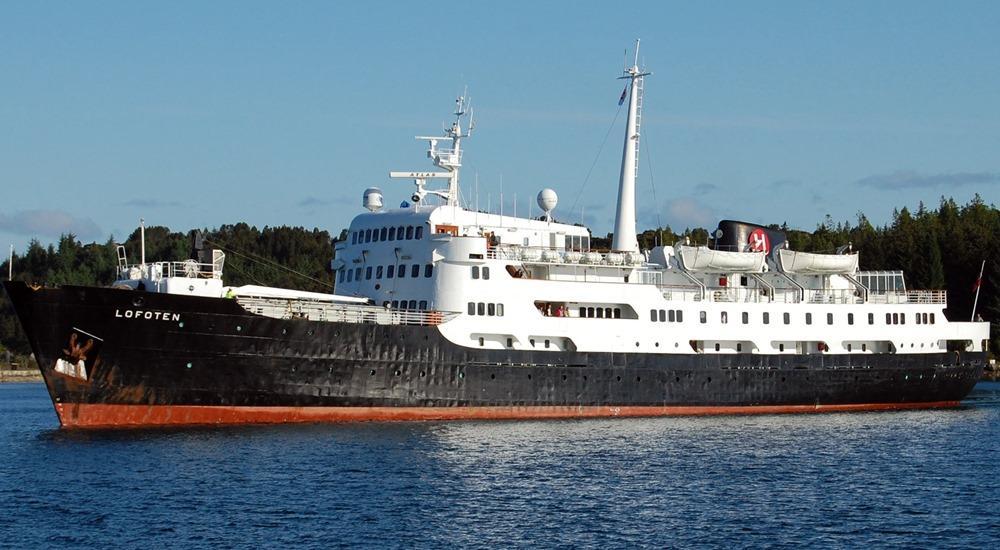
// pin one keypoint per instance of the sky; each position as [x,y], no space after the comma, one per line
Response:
[197,114]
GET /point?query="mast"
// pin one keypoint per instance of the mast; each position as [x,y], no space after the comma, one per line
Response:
[449,159]
[624,236]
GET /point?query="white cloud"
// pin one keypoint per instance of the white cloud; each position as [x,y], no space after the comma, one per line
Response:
[49,223]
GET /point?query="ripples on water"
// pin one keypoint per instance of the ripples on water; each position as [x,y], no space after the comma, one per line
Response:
[917,478]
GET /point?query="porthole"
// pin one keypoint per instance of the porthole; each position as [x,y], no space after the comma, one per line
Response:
[564,377]
[638,379]
[423,374]
[372,372]
[618,378]
[397,372]
[493,377]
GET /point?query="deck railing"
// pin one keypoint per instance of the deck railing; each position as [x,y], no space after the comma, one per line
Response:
[317,310]
[159,270]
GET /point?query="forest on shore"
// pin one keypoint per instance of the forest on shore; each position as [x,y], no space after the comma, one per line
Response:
[939,249]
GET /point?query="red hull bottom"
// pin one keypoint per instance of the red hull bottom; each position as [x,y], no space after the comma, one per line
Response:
[78,415]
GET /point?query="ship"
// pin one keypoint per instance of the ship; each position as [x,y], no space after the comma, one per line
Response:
[440,311]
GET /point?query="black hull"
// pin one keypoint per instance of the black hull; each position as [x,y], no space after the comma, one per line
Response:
[159,358]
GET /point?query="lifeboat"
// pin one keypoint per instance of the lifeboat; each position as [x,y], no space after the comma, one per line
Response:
[703,258]
[807,263]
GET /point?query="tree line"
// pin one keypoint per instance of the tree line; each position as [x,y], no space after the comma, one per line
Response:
[939,248]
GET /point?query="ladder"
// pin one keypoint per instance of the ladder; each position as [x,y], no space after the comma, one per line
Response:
[638,119]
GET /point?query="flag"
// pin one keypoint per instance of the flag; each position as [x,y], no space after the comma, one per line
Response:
[979,281]
[622,98]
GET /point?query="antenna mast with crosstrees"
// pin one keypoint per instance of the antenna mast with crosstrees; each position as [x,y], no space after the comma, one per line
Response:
[449,159]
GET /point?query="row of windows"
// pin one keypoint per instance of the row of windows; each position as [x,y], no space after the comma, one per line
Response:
[477,271]
[664,315]
[390,271]
[401,233]
[890,318]
[601,312]
[403,304]
[482,308]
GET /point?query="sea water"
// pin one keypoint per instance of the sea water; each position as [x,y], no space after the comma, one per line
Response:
[885,479]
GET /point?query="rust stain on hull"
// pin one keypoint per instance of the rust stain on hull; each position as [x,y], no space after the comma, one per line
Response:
[82,415]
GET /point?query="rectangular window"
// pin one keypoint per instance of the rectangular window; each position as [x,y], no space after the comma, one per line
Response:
[787,318]
[399,233]
[829,318]
[672,317]
[413,304]
[423,304]
[767,318]
[409,232]
[415,271]
[475,272]
[888,318]
[583,312]
[382,233]
[395,304]
[392,233]
[617,313]
[932,318]
[590,312]
[390,271]
[499,310]
[600,313]
[871,318]
[746,318]
[481,308]
[704,317]
[902,318]
[895,318]
[486,272]
[652,315]
[680,316]
[368,273]
[342,275]
[428,270]
[850,318]
[491,310]
[378,272]
[724,317]
[401,271]
[419,233]
[368,235]
[357,274]
[472,308]
[918,318]
[354,237]
[809,318]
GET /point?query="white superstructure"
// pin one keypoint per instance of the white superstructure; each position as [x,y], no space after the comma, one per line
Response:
[537,284]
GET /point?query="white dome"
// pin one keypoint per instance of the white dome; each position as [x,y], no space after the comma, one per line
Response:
[547,200]
[372,199]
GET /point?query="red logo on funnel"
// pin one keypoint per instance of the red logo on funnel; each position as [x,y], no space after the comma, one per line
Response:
[758,241]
